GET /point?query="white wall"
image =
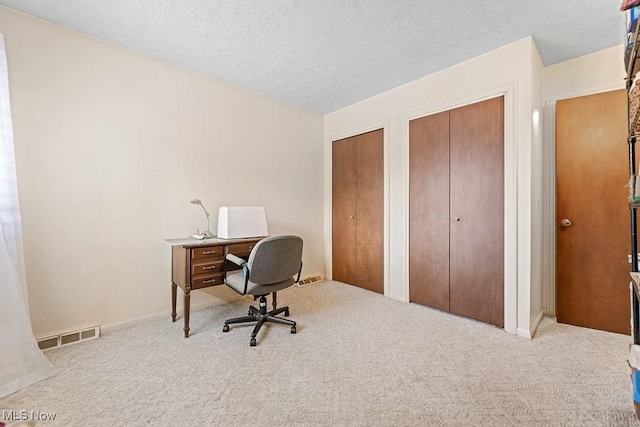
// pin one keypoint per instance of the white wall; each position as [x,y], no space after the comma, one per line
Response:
[505,71]
[537,124]
[601,71]
[111,146]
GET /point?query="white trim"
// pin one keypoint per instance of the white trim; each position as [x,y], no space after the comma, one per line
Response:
[529,334]
[509,91]
[549,212]
[166,314]
[328,196]
[511,208]
[585,92]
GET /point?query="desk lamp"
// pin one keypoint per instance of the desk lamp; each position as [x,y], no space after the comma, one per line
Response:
[205,234]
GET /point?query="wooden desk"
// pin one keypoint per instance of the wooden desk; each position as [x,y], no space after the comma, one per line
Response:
[199,264]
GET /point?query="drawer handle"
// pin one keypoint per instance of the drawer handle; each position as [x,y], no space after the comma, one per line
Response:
[210,267]
[204,282]
[209,252]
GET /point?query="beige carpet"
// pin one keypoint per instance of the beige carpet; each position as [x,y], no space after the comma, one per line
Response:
[359,359]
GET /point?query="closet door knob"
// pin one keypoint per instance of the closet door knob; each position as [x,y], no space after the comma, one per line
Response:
[351,217]
[456,219]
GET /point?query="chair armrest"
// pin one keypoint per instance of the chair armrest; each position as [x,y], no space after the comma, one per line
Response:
[240,262]
[236,260]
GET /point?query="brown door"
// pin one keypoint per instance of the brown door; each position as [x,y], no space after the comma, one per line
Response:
[429,211]
[477,211]
[592,271]
[344,188]
[358,200]
[456,211]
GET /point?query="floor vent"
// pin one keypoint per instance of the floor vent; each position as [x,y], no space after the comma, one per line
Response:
[67,338]
[309,280]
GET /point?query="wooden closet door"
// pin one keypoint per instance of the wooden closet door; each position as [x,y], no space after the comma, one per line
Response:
[369,211]
[344,190]
[358,210]
[477,211]
[429,211]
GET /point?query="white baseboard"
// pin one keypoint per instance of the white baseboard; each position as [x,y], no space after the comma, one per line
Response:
[524,333]
[166,314]
[541,315]
[528,334]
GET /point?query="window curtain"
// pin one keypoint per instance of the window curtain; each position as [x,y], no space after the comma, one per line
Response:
[21,361]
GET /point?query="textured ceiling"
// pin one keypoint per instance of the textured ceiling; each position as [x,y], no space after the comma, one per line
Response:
[325,54]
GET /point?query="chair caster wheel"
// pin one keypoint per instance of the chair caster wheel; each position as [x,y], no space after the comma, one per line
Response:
[293,330]
[225,328]
[286,313]
[249,313]
[252,343]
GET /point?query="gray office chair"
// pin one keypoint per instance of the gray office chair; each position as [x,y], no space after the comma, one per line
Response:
[271,267]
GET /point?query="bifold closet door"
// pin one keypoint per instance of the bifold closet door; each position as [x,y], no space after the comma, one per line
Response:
[358,202]
[344,182]
[429,211]
[477,211]
[456,211]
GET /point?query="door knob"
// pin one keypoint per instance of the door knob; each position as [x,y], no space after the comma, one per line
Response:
[565,223]
[456,219]
[351,217]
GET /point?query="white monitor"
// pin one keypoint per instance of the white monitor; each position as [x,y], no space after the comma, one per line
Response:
[242,222]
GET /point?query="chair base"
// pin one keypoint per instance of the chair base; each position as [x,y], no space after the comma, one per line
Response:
[261,316]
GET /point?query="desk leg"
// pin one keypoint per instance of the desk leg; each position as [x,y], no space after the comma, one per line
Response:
[174,297]
[274,301]
[187,307]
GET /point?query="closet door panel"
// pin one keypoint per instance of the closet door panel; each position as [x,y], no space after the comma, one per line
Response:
[369,211]
[429,211]
[344,191]
[477,211]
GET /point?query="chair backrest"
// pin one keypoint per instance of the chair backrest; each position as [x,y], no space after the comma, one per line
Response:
[275,259]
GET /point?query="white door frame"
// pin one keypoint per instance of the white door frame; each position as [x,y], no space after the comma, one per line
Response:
[328,197]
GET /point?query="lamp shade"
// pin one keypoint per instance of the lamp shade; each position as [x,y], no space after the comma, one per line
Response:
[242,222]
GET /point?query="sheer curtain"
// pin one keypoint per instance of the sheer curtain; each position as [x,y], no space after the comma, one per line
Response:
[21,361]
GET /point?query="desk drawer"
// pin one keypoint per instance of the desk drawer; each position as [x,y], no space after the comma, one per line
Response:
[240,249]
[200,282]
[206,267]
[208,252]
